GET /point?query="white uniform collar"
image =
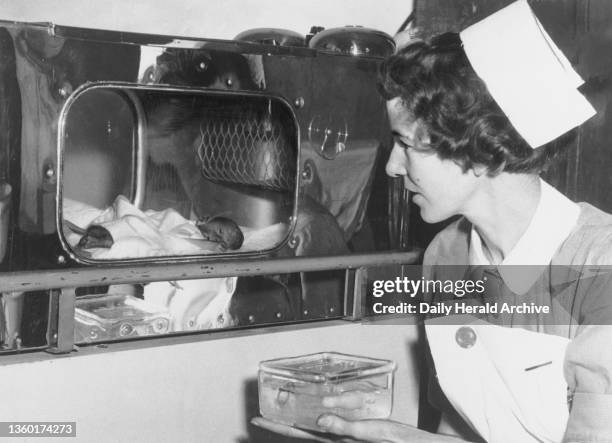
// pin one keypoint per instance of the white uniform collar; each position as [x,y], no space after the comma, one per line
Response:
[552,222]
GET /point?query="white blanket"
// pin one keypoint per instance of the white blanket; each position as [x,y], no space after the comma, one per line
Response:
[193,304]
[152,233]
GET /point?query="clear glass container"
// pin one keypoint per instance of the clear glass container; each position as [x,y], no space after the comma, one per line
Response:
[114,316]
[291,390]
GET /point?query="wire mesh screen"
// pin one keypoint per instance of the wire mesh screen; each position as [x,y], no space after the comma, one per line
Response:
[250,144]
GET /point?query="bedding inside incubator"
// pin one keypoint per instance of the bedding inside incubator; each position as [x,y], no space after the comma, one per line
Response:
[158,172]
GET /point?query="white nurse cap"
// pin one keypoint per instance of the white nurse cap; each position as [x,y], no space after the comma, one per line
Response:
[526,73]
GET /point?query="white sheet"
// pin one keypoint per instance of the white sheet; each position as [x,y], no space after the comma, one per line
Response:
[151,233]
[193,304]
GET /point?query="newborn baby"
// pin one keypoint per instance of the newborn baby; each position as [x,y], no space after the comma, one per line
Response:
[221,230]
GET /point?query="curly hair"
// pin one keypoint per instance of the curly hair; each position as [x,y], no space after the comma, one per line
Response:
[439,88]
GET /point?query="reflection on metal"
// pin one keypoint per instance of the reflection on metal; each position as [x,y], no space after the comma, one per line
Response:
[49,172]
[39,280]
[272,36]
[355,293]
[299,102]
[354,40]
[61,324]
[301,82]
[398,207]
[60,335]
[11,307]
[65,90]
[141,151]
[294,242]
[102,317]
[170,41]
[329,134]
[308,172]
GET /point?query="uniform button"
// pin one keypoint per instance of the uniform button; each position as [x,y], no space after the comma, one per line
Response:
[465,337]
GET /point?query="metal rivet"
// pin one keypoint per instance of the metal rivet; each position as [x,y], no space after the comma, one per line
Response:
[125,329]
[307,172]
[49,171]
[279,315]
[299,102]
[251,318]
[202,66]
[331,310]
[191,323]
[61,259]
[465,337]
[65,90]
[305,312]
[229,82]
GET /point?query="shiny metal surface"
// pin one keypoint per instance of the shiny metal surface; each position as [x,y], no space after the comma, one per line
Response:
[272,36]
[141,151]
[300,280]
[11,307]
[353,40]
[89,276]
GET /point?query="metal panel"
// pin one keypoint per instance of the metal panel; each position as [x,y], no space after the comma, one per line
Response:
[36,280]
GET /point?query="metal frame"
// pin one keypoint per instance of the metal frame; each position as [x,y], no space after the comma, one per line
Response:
[355,284]
[95,276]
[129,89]
[62,284]
[60,332]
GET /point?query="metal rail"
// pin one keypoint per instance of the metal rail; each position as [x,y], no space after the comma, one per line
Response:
[96,276]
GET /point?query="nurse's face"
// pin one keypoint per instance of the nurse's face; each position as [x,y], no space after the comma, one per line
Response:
[439,187]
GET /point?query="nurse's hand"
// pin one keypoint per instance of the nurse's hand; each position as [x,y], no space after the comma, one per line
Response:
[335,429]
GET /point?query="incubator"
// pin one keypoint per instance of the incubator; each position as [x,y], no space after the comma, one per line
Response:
[166,173]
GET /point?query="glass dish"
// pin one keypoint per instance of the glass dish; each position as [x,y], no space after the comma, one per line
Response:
[116,316]
[291,389]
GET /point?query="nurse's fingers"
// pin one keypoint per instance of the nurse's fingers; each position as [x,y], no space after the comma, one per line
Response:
[288,431]
[376,430]
[370,430]
[347,400]
[361,394]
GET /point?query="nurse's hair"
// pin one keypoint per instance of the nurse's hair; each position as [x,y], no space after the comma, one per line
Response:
[439,89]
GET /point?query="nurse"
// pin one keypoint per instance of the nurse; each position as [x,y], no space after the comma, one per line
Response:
[473,127]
